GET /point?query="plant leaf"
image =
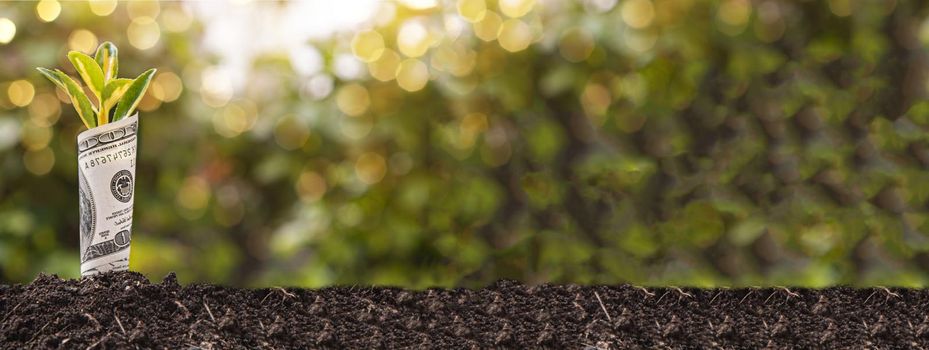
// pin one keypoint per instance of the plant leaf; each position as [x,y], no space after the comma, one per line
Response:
[85,110]
[133,95]
[88,69]
[106,57]
[111,94]
[51,75]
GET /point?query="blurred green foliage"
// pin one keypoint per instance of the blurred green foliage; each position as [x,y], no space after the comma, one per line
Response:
[682,142]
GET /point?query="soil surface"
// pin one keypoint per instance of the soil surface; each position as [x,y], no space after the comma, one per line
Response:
[125,310]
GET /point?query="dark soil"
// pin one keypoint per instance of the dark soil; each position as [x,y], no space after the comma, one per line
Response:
[124,310]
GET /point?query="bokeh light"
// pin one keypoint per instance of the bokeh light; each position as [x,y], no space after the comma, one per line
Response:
[370,168]
[290,133]
[488,28]
[356,129]
[639,42]
[82,40]
[353,99]
[9,133]
[413,39]
[310,186]
[102,7]
[576,44]
[453,27]
[770,25]
[216,87]
[734,15]
[176,19]
[515,35]
[516,8]
[45,109]
[235,119]
[456,59]
[193,196]
[144,8]
[39,162]
[48,10]
[319,86]
[21,93]
[412,74]
[638,13]
[385,67]
[35,137]
[368,46]
[143,32]
[419,4]
[166,86]
[7,30]
[472,10]
[470,127]
[596,101]
[152,98]
[599,6]
[347,67]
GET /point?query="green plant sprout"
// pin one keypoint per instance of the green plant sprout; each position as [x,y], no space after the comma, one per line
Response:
[99,73]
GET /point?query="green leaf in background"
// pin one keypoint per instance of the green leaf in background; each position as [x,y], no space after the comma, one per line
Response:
[88,69]
[133,95]
[106,57]
[51,75]
[85,110]
[111,94]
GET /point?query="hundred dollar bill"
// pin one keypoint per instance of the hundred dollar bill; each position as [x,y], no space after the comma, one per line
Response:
[106,171]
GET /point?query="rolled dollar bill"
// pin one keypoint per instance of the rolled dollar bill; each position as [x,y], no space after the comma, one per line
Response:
[106,171]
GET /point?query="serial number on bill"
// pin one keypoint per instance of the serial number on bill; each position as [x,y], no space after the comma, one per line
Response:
[109,157]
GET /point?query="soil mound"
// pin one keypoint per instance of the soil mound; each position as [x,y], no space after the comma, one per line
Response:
[125,310]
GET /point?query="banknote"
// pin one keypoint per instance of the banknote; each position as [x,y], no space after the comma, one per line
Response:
[106,173]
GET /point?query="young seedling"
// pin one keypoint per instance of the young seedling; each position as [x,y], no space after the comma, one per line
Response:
[106,154]
[99,74]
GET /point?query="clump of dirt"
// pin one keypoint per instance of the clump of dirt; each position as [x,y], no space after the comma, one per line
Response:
[125,310]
